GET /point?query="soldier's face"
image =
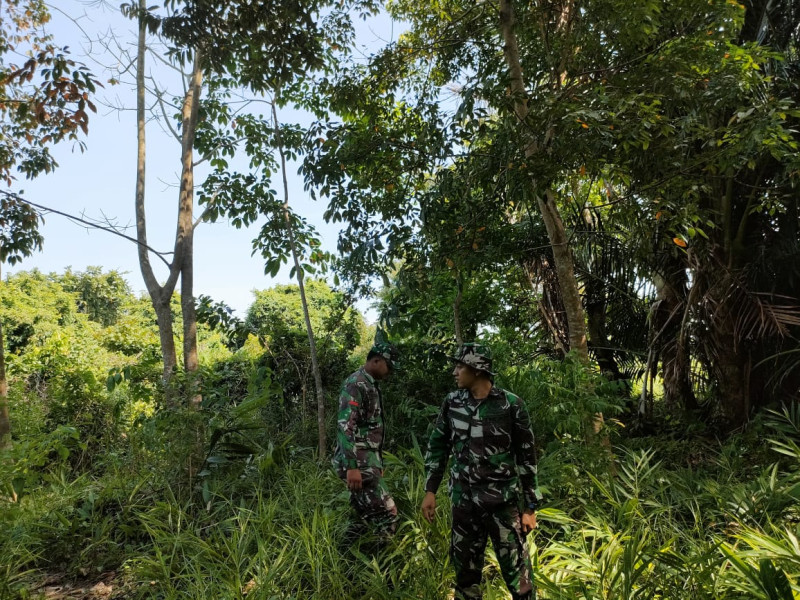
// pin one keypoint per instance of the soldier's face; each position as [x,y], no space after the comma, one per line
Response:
[465,377]
[380,368]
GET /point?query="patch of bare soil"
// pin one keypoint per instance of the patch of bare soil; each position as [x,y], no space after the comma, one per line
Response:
[57,586]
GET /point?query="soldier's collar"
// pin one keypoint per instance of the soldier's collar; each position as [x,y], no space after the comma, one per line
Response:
[495,391]
[369,377]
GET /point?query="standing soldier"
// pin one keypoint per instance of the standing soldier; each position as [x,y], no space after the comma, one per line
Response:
[488,433]
[358,459]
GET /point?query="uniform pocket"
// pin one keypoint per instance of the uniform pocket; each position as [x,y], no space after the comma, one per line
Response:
[370,477]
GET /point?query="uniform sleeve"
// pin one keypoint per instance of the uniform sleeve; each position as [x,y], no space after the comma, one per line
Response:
[525,453]
[438,450]
[348,420]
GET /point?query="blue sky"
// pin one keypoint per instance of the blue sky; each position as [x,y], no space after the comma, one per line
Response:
[99,183]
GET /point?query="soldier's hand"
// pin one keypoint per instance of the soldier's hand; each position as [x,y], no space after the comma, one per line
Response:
[528,521]
[429,506]
[353,480]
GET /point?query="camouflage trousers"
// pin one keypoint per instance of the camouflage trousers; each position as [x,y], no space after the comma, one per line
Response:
[375,507]
[472,525]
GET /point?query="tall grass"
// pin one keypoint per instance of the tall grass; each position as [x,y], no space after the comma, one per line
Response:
[649,532]
[646,532]
[287,540]
[670,520]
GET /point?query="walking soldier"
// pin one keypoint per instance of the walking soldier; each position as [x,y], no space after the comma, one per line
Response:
[487,432]
[358,459]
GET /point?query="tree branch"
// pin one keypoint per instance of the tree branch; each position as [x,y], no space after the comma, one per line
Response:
[109,228]
[159,95]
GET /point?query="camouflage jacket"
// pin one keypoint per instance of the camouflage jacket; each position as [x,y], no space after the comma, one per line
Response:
[360,431]
[492,446]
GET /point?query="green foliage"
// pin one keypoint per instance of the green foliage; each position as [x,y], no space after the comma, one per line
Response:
[33,309]
[66,370]
[59,359]
[655,128]
[19,234]
[287,533]
[45,98]
[276,317]
[100,295]
[237,397]
[662,517]
[24,470]
[654,527]
[218,316]
[414,393]
[239,41]
[561,394]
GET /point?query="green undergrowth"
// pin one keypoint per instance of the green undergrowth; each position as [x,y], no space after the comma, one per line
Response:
[680,515]
[657,522]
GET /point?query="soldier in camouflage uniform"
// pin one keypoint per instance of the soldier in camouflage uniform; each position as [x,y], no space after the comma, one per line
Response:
[358,459]
[487,431]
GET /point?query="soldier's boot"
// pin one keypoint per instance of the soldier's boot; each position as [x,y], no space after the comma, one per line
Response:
[352,536]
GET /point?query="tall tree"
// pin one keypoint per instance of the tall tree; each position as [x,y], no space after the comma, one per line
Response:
[299,272]
[545,196]
[412,69]
[246,196]
[43,101]
[259,47]
[710,175]
[683,114]
[181,264]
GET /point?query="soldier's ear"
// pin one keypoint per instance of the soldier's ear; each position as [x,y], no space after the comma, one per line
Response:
[484,374]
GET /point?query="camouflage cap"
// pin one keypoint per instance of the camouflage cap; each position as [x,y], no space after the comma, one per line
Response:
[477,356]
[387,352]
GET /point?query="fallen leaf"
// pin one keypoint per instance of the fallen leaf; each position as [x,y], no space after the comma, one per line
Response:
[248,587]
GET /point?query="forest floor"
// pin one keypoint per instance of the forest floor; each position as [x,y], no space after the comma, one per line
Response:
[58,586]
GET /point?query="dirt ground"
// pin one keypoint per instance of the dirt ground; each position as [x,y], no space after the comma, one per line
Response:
[56,586]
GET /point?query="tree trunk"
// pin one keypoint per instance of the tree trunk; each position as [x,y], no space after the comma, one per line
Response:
[5,420]
[185,234]
[457,310]
[158,295]
[731,369]
[182,261]
[543,280]
[596,326]
[556,232]
[669,339]
[164,320]
[645,399]
[322,445]
[565,270]
[733,386]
